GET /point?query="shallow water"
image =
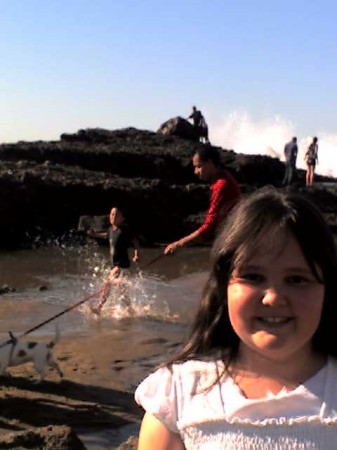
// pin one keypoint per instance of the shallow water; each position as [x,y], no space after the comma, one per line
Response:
[162,297]
[49,280]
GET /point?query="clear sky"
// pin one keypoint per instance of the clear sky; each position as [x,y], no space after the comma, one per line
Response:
[260,71]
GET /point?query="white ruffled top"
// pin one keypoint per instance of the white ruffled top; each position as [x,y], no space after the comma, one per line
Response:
[221,417]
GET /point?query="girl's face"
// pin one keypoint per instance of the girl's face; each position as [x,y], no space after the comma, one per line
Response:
[274,301]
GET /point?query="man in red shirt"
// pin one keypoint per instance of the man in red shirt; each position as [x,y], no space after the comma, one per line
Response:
[225,192]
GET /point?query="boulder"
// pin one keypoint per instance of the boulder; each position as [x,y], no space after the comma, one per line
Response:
[178,126]
[5,289]
[49,438]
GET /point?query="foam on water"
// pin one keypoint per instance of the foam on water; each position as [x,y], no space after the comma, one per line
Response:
[70,276]
[139,296]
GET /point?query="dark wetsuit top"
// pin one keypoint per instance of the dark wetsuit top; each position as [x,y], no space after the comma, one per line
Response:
[120,240]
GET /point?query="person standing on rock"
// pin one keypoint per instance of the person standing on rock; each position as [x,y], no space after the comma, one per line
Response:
[290,154]
[225,193]
[311,158]
[199,124]
[196,116]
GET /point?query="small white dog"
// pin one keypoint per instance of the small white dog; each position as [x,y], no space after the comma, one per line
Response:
[16,352]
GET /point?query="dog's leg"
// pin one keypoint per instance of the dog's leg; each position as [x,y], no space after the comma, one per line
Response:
[52,363]
[41,364]
[40,367]
[42,374]
[5,358]
[42,360]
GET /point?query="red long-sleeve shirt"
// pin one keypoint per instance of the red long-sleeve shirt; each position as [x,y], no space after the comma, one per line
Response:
[225,192]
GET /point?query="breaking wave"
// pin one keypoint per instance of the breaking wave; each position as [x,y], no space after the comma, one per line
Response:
[241,133]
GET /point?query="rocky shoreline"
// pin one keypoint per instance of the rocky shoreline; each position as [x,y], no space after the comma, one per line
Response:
[92,407]
[47,186]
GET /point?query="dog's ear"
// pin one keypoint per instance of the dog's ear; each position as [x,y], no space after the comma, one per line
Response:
[13,339]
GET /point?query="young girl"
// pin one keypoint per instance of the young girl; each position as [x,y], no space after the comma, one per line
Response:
[258,370]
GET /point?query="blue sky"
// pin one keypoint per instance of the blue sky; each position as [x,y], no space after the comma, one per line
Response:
[265,65]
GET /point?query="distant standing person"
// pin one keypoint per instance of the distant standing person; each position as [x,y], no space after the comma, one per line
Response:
[311,158]
[290,154]
[121,238]
[196,116]
[225,192]
[199,124]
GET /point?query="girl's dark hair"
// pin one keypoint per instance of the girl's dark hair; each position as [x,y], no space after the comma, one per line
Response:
[267,210]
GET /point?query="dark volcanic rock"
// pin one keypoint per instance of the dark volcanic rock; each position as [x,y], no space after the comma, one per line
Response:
[47,186]
[179,127]
[130,444]
[5,289]
[48,438]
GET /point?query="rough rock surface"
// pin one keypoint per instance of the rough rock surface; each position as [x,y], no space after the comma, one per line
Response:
[179,127]
[47,186]
[130,444]
[48,438]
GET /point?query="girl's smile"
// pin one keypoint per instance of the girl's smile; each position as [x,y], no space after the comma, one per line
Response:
[275,301]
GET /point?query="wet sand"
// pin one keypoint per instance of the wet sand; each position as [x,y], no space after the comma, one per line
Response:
[95,397]
[103,359]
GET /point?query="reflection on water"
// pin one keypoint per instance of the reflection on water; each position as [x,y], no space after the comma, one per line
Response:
[49,280]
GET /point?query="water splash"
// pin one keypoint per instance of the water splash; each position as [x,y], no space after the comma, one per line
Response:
[136,295]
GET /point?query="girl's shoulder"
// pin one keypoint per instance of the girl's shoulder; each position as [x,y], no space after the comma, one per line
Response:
[186,378]
[198,370]
[204,366]
[170,393]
